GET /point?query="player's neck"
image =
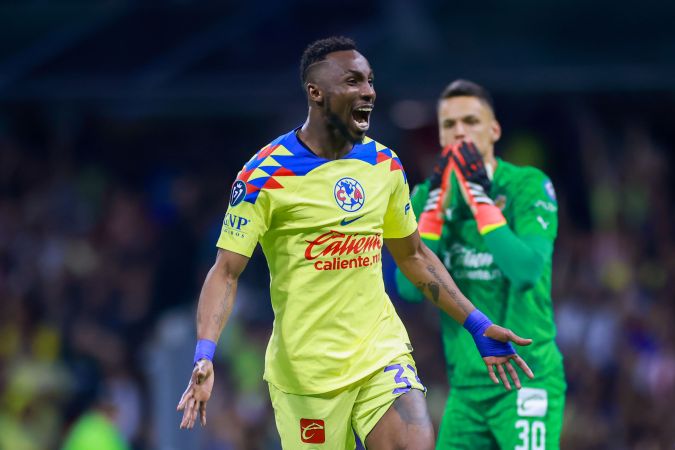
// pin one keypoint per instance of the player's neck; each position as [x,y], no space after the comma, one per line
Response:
[323,141]
[492,161]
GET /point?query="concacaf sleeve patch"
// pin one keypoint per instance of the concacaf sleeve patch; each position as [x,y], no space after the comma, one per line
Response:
[548,187]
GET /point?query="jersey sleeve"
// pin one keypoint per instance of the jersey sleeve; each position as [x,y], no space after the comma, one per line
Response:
[247,219]
[399,220]
[536,208]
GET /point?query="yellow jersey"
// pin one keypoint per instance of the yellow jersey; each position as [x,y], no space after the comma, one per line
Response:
[321,225]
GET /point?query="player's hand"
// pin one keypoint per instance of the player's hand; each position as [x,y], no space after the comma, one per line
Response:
[430,222]
[501,362]
[194,399]
[475,183]
[439,180]
[471,166]
[472,175]
[440,171]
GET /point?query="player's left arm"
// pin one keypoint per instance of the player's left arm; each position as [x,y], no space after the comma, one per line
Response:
[428,199]
[422,267]
[405,289]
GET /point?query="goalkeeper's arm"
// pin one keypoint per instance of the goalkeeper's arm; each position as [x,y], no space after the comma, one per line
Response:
[424,269]
[521,259]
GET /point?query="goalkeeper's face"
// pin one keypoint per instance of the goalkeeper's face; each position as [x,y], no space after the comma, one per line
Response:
[468,119]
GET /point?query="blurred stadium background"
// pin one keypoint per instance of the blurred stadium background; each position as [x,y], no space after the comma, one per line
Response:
[123,124]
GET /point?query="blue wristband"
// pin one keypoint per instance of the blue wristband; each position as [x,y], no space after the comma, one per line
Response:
[204,350]
[476,324]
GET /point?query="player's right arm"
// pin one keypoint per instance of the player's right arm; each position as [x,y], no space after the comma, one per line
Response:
[215,306]
[217,296]
[246,220]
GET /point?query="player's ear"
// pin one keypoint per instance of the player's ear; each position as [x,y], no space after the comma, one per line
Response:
[314,94]
[495,131]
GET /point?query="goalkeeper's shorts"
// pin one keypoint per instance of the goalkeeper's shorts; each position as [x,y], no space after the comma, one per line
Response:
[492,418]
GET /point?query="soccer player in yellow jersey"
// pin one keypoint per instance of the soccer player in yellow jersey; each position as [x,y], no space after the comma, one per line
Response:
[322,200]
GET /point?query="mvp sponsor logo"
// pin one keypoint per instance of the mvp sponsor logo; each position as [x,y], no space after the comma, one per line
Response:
[234,225]
[236,222]
[338,251]
[312,431]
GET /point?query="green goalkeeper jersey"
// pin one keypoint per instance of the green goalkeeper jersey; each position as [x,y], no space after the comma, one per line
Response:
[505,273]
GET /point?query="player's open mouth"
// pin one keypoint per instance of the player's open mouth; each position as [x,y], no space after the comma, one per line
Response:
[361,116]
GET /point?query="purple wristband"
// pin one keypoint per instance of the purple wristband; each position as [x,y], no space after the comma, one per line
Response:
[476,323]
[204,350]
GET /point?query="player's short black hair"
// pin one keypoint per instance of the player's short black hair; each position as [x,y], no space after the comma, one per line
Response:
[317,51]
[466,88]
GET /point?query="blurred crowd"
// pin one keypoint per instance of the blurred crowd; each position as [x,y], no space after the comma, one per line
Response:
[614,292]
[92,259]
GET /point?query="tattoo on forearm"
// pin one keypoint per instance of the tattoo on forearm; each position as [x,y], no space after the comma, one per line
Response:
[434,289]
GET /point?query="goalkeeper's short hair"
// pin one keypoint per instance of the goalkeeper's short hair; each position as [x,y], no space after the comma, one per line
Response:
[466,88]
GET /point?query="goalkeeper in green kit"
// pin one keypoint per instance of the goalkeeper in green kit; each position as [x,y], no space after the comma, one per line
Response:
[493,225]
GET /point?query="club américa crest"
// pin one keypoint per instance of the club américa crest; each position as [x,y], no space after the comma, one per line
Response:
[349,194]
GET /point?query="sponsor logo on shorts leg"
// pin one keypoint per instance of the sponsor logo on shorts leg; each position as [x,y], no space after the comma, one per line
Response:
[312,431]
[532,402]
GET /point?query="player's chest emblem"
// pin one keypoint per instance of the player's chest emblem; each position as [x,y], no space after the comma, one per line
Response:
[349,194]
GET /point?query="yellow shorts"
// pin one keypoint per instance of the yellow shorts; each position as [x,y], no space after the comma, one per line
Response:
[325,421]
